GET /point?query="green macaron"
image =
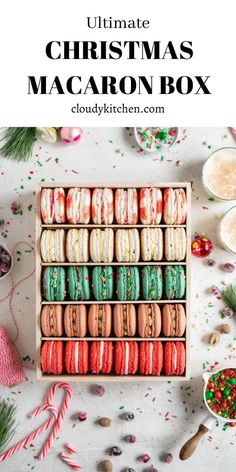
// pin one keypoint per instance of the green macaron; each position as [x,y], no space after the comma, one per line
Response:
[102,281]
[175,283]
[54,284]
[127,283]
[78,283]
[152,282]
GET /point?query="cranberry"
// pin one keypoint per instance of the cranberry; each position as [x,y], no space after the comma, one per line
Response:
[169,458]
[99,390]
[144,458]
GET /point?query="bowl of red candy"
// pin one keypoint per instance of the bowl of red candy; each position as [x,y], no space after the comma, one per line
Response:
[6,261]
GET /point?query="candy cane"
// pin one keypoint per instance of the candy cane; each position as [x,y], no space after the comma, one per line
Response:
[61,415]
[24,443]
[69,448]
[233,131]
[69,461]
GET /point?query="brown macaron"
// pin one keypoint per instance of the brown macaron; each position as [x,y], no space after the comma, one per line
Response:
[99,320]
[173,319]
[149,320]
[75,321]
[124,320]
[52,320]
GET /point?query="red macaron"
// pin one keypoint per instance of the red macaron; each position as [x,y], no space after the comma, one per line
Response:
[174,358]
[76,357]
[101,357]
[126,357]
[52,357]
[150,357]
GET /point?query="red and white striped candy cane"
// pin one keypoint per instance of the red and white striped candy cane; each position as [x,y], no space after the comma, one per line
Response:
[69,448]
[24,443]
[58,423]
[233,131]
[69,461]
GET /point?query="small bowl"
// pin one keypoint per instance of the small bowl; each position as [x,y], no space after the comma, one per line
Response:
[227,216]
[153,150]
[206,377]
[2,245]
[222,152]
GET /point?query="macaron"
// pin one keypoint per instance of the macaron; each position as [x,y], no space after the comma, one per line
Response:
[53,205]
[78,205]
[149,320]
[126,357]
[101,357]
[52,320]
[102,245]
[150,357]
[75,321]
[127,245]
[99,320]
[102,282]
[54,284]
[126,206]
[174,358]
[127,283]
[52,245]
[151,244]
[76,357]
[174,206]
[78,283]
[102,206]
[150,205]
[77,245]
[174,280]
[175,244]
[124,320]
[52,357]
[152,282]
[173,320]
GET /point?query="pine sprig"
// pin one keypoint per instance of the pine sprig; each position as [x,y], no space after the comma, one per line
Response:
[18,143]
[229,296]
[7,422]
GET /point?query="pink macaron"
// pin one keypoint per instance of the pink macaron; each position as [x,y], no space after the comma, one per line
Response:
[126,206]
[149,320]
[99,320]
[173,320]
[124,320]
[52,320]
[75,321]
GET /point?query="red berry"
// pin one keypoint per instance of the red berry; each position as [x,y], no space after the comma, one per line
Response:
[145,458]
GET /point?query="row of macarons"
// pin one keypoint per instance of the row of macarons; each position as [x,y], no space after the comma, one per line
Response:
[107,206]
[125,283]
[121,357]
[121,319]
[102,245]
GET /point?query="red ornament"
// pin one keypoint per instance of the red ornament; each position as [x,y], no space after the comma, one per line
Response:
[202,247]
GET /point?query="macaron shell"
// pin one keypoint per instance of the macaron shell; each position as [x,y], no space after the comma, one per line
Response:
[78,283]
[59,205]
[77,245]
[126,206]
[76,357]
[102,245]
[124,320]
[152,284]
[150,203]
[99,320]
[175,206]
[54,288]
[78,204]
[52,357]
[102,281]
[52,320]
[150,357]
[149,320]
[101,357]
[47,245]
[173,320]
[126,357]
[75,320]
[102,206]
[47,205]
[174,358]
[151,244]
[60,245]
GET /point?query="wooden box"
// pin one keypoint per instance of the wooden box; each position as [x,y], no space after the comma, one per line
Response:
[40,226]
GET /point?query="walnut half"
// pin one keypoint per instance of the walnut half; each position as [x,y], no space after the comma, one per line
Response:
[214,338]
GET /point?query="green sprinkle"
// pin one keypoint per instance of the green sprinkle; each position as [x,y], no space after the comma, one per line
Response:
[121,407]
[211,199]
[40,164]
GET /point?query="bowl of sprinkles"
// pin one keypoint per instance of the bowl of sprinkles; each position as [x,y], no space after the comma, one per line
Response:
[220,394]
[155,139]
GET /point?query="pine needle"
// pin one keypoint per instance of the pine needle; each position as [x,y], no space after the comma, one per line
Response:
[18,143]
[229,296]
[7,422]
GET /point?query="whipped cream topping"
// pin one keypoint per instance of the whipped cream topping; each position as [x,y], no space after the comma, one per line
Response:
[219,173]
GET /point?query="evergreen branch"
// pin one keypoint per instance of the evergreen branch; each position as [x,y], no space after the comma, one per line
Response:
[7,422]
[18,143]
[229,296]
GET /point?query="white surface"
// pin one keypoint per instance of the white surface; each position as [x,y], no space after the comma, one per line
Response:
[165,414]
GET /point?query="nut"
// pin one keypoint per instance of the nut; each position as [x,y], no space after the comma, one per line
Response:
[224,328]
[105,422]
[107,466]
[214,338]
